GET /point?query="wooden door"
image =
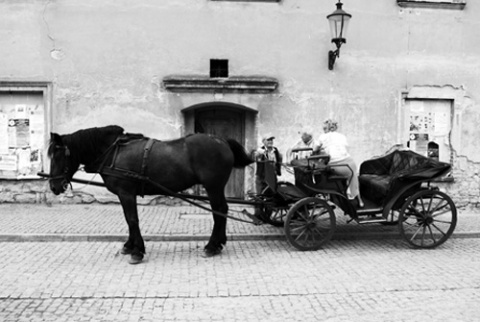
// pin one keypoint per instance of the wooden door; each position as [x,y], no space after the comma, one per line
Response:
[225,123]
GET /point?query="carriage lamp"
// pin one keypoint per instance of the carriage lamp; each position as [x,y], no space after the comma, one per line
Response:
[338,28]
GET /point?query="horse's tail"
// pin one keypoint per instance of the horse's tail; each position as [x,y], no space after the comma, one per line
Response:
[241,158]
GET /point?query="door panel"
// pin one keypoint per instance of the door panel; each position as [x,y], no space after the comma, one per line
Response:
[224,123]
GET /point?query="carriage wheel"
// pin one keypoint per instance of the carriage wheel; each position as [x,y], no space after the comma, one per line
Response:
[310,223]
[275,215]
[427,219]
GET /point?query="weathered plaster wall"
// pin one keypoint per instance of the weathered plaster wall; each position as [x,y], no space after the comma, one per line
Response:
[106,60]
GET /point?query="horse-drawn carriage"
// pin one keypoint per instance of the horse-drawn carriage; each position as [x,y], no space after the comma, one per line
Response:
[396,188]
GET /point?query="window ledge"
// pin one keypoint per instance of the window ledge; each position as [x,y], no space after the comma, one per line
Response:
[253,84]
[440,4]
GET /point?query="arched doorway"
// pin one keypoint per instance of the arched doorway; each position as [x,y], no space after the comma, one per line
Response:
[224,120]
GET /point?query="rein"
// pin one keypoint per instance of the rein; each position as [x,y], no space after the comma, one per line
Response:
[254,221]
[124,174]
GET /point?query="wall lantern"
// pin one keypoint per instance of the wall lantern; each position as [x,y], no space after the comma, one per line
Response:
[338,28]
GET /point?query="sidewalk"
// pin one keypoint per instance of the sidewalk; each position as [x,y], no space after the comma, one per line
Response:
[97,222]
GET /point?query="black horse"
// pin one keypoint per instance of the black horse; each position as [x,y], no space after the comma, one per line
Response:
[131,165]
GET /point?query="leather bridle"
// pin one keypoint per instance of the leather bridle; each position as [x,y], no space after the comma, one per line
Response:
[64,176]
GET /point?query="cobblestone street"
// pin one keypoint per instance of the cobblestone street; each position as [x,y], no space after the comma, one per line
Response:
[250,281]
[362,278]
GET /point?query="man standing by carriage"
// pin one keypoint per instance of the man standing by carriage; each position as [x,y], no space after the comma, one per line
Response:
[266,153]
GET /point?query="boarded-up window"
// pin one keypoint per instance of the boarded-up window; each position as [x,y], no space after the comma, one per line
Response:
[22,133]
[429,126]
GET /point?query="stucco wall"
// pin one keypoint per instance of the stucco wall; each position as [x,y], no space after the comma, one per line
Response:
[106,60]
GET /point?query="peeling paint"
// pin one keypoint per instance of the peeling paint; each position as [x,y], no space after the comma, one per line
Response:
[106,60]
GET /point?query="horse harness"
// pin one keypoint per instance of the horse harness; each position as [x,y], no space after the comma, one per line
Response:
[113,170]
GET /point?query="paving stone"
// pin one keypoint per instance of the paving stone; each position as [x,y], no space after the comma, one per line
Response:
[350,279]
[250,281]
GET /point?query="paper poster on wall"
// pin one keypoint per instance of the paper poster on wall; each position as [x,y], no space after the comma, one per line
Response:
[20,129]
[8,162]
[21,111]
[419,143]
[23,161]
[3,133]
[429,125]
[21,139]
[37,125]
[442,123]
[421,122]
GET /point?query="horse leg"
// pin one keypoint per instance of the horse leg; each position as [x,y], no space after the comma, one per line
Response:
[134,245]
[219,235]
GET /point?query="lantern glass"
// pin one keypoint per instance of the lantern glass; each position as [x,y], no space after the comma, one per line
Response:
[339,20]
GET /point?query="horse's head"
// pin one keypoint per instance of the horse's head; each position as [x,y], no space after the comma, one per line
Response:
[62,164]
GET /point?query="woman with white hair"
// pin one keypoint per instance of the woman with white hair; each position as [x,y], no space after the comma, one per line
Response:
[335,144]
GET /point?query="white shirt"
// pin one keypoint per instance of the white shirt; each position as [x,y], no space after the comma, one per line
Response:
[335,144]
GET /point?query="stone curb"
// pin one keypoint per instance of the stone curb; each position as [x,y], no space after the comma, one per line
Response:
[184,238]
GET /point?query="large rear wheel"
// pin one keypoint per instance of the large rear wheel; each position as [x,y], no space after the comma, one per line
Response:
[427,219]
[310,223]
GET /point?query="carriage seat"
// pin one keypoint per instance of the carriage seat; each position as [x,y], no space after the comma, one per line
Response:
[284,189]
[382,176]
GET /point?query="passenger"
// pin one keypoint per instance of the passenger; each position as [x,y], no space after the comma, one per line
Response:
[306,141]
[335,144]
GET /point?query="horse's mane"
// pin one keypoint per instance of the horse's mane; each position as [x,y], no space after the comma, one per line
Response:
[87,142]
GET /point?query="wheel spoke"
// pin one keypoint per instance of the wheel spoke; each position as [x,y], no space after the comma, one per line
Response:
[422,203]
[423,235]
[447,210]
[417,223]
[443,222]
[313,238]
[431,234]
[303,214]
[440,205]
[415,234]
[297,225]
[437,228]
[297,228]
[301,234]
[430,202]
[319,232]
[413,211]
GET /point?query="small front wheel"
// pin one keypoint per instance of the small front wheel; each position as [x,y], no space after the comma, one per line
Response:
[275,215]
[310,223]
[427,219]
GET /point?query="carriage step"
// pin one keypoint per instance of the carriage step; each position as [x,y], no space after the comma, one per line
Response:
[371,221]
[368,210]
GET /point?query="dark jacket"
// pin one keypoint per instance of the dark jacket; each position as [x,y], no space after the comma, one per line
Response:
[262,158]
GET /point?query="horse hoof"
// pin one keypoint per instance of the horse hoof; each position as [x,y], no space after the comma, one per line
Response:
[125,251]
[135,259]
[211,252]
